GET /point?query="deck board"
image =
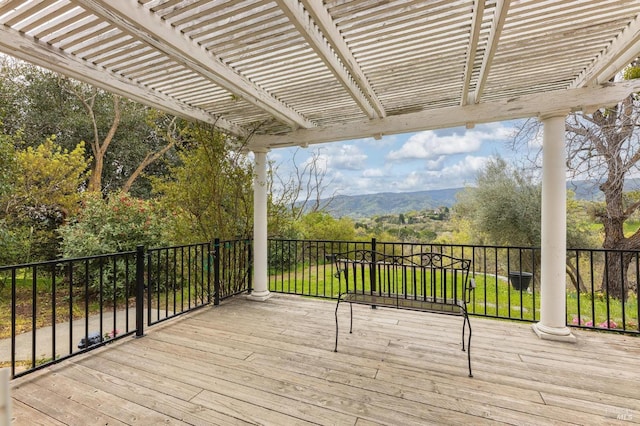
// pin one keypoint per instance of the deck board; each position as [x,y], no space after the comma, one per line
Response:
[273,363]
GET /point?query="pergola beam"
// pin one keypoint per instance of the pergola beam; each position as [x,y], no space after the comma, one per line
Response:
[499,17]
[46,56]
[352,78]
[134,19]
[525,106]
[621,52]
[476,26]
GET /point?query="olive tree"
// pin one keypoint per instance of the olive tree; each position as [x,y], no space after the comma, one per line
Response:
[504,208]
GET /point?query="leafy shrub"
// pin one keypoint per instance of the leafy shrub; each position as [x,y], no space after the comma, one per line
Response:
[119,223]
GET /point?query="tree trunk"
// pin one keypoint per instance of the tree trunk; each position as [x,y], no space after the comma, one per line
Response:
[611,144]
[151,157]
[99,147]
[615,282]
[614,278]
[575,278]
[95,179]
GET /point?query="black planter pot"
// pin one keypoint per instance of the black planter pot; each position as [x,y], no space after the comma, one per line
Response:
[520,280]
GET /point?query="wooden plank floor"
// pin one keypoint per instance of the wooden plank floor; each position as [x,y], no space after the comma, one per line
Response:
[273,363]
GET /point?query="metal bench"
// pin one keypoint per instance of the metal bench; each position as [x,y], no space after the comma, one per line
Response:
[425,281]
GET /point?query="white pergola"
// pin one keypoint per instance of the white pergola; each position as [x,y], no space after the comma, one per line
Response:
[299,72]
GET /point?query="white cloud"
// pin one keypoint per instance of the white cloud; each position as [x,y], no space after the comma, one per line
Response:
[455,175]
[430,144]
[374,173]
[346,156]
[435,164]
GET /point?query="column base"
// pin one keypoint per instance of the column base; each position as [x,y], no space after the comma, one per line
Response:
[560,334]
[259,296]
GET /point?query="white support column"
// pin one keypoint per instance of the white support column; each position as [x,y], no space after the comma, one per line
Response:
[260,279]
[552,325]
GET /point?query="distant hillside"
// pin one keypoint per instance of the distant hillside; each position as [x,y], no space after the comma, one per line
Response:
[390,202]
[357,206]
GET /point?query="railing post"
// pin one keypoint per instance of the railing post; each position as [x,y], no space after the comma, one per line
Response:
[216,271]
[208,269]
[250,259]
[372,272]
[139,291]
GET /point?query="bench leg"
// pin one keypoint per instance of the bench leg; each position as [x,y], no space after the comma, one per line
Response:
[466,323]
[350,318]
[335,349]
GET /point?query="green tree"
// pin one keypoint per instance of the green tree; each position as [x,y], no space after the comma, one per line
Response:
[50,176]
[322,226]
[123,137]
[8,242]
[108,225]
[7,166]
[505,209]
[46,191]
[210,193]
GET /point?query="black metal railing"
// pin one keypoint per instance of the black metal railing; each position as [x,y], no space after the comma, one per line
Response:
[234,267]
[64,307]
[52,310]
[602,286]
[57,309]
[178,280]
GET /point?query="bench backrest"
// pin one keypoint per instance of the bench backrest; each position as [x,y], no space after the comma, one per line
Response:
[421,276]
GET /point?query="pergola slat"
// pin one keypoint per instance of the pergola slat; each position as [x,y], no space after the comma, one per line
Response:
[289,65]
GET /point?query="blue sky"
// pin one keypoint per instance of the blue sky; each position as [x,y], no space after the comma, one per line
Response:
[447,158]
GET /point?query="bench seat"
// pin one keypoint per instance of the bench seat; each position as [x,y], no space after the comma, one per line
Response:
[440,306]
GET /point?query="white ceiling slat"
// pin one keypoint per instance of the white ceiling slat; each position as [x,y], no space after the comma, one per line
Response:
[82,24]
[624,49]
[351,67]
[8,6]
[23,13]
[86,35]
[140,23]
[28,49]
[406,16]
[43,15]
[267,27]
[227,19]
[133,53]
[61,24]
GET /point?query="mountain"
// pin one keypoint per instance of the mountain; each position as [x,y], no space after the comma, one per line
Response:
[369,205]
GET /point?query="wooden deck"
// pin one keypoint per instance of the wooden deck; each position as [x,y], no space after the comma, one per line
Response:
[273,363]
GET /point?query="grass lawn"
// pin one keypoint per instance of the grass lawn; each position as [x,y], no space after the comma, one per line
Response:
[493,297]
